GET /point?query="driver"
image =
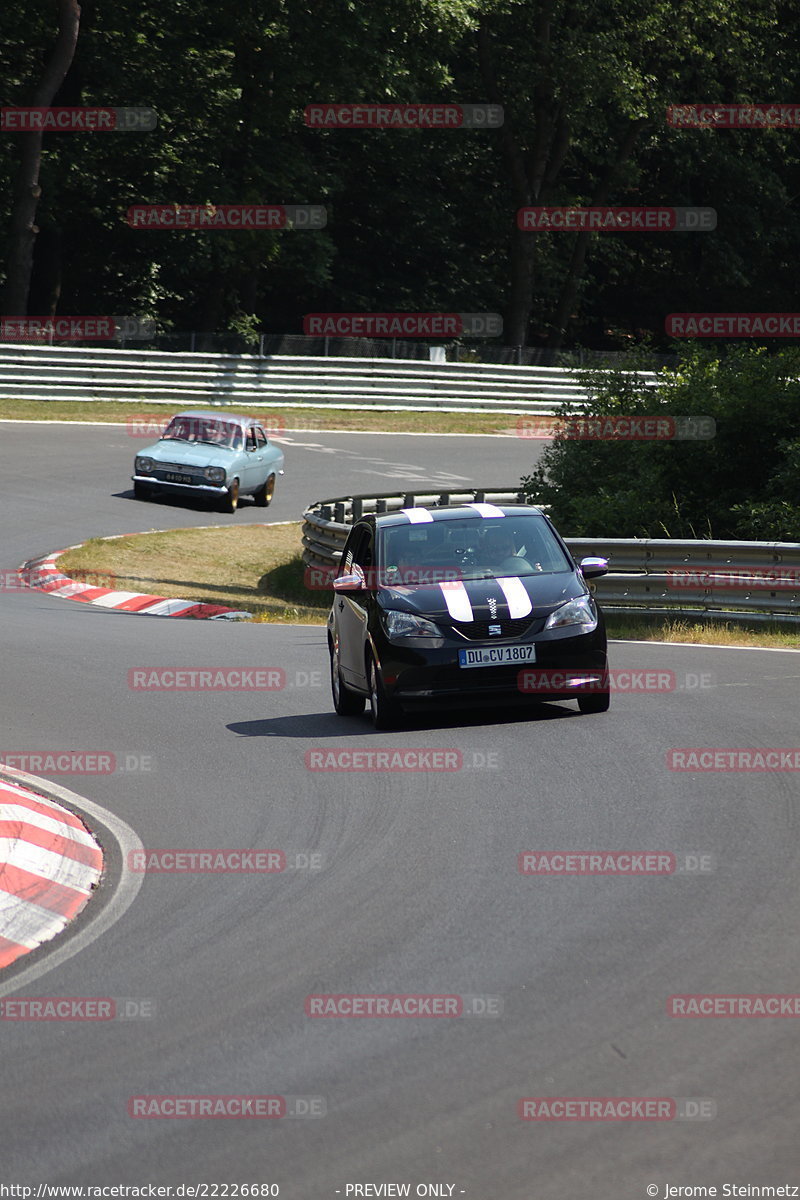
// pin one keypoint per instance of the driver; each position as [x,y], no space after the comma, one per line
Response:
[501,553]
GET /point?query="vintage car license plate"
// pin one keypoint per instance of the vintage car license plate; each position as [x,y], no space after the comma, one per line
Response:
[174,477]
[496,656]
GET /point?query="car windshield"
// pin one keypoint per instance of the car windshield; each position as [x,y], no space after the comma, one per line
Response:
[484,548]
[204,429]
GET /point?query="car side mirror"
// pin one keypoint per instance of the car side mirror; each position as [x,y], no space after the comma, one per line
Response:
[591,568]
[349,583]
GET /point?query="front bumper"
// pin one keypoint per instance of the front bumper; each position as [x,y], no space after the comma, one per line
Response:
[428,675]
[168,486]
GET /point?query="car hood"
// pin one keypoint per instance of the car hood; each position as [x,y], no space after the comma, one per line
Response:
[512,598]
[191,454]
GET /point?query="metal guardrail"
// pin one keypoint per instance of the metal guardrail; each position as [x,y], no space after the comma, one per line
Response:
[153,377]
[721,580]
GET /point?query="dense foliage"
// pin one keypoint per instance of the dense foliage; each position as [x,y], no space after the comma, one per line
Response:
[743,483]
[417,220]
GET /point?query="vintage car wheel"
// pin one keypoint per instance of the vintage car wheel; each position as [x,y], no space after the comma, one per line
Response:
[230,502]
[386,713]
[345,702]
[142,491]
[263,497]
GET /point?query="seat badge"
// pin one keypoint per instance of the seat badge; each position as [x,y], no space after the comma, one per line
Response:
[495,630]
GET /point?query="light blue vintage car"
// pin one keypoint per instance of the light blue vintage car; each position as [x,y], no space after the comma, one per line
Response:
[222,456]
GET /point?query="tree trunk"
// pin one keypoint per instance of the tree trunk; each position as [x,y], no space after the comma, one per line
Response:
[569,288]
[27,190]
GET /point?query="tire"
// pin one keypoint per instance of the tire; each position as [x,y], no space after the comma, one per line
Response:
[595,702]
[386,713]
[142,491]
[230,502]
[345,702]
[263,497]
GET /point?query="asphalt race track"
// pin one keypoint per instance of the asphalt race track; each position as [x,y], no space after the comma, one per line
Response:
[418,890]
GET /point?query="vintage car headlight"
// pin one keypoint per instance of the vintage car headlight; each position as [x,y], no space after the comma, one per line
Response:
[406,624]
[580,611]
[215,474]
[145,465]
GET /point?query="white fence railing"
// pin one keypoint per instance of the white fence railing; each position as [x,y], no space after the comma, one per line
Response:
[735,581]
[151,377]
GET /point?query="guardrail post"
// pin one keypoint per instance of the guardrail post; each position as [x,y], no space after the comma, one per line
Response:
[339,513]
[358,509]
[409,500]
[325,512]
[380,506]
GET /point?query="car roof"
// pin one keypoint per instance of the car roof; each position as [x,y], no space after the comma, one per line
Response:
[455,512]
[219,414]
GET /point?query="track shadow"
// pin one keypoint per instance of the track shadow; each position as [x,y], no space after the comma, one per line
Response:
[329,725]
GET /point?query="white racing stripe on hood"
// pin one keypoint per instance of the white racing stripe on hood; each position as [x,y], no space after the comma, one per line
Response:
[457,600]
[517,598]
[487,510]
[417,516]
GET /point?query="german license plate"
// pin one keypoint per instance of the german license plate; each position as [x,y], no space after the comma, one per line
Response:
[496,656]
[174,477]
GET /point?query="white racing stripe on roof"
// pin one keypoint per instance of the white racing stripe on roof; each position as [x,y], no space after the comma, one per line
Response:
[487,510]
[456,598]
[417,516]
[517,598]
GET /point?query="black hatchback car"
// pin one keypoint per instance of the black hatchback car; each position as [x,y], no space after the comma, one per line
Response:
[470,604]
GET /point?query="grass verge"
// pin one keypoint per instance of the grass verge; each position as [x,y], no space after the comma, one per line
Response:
[260,569]
[277,418]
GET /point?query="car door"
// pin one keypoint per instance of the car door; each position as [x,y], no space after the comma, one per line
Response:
[263,456]
[351,609]
[253,461]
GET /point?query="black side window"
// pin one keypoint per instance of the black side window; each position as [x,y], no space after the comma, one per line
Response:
[358,551]
[260,438]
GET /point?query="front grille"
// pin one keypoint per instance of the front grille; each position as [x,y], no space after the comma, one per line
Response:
[478,631]
[181,467]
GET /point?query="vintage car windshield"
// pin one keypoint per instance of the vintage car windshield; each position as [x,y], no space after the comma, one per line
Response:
[206,430]
[435,551]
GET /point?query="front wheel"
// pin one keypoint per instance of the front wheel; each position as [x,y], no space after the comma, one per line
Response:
[263,497]
[596,702]
[230,502]
[386,713]
[346,703]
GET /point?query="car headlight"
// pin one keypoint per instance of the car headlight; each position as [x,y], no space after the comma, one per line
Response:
[405,624]
[144,465]
[215,474]
[580,611]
